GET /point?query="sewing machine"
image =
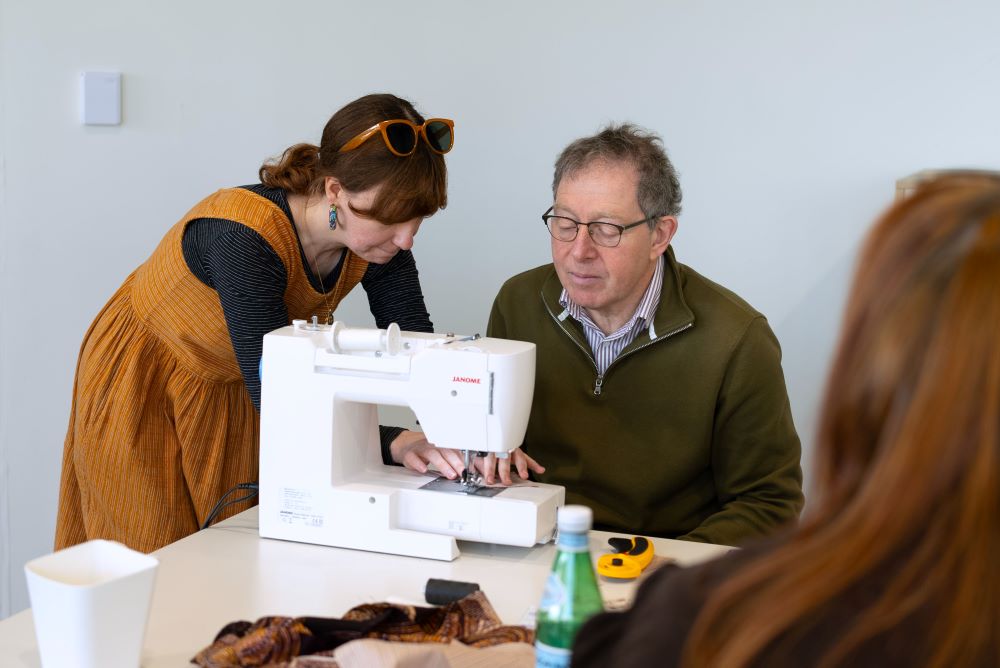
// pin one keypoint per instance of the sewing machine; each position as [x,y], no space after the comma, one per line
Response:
[322,479]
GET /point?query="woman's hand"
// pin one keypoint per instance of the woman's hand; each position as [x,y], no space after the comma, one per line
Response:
[412,450]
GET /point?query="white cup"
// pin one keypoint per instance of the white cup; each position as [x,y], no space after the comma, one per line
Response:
[90,603]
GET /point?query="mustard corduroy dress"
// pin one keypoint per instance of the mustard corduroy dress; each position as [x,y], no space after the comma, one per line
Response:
[162,424]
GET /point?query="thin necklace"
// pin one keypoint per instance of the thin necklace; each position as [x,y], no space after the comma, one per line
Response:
[313,264]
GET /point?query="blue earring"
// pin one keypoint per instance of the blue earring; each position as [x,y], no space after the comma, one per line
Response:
[333,216]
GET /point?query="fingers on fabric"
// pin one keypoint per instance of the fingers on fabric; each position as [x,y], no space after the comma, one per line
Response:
[442,461]
[531,463]
[496,469]
[520,463]
[455,460]
[503,469]
[489,468]
[413,461]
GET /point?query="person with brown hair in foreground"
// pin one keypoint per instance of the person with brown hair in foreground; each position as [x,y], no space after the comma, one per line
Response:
[897,563]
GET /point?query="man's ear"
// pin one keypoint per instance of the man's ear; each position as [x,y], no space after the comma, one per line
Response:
[332,188]
[663,233]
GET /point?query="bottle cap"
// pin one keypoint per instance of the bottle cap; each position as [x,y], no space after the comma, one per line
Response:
[575,519]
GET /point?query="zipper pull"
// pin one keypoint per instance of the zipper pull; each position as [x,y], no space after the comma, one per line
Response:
[597,385]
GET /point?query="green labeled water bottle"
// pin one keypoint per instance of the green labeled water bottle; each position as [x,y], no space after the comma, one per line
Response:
[571,595]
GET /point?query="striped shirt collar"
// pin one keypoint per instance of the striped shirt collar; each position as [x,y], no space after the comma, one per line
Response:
[627,333]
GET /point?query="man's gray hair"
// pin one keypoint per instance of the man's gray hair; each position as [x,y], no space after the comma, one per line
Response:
[659,189]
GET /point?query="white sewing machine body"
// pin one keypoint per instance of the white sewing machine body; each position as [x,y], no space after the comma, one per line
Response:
[322,479]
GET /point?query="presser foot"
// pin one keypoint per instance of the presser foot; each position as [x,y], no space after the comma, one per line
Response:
[471,480]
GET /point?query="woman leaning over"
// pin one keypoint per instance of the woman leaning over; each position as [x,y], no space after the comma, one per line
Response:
[167,392]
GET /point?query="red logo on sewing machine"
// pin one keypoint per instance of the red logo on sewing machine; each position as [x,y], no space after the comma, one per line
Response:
[465,379]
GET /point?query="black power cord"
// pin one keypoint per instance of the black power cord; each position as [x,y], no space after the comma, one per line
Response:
[221,504]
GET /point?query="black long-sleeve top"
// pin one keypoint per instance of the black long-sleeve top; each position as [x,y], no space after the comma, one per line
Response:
[250,280]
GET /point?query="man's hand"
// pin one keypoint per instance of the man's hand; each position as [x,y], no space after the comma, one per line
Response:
[491,466]
[412,450]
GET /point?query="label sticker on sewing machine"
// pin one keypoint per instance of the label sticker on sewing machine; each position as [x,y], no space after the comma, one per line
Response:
[297,508]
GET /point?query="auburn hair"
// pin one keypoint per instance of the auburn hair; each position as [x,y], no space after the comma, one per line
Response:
[410,187]
[908,484]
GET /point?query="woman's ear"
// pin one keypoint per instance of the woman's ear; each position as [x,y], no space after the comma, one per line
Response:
[332,187]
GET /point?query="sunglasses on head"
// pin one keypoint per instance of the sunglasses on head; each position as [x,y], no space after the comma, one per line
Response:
[400,135]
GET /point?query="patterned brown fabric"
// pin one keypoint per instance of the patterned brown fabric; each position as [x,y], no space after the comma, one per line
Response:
[277,641]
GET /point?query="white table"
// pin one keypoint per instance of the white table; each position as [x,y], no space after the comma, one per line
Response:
[228,572]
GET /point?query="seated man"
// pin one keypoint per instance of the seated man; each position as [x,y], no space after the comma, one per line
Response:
[659,397]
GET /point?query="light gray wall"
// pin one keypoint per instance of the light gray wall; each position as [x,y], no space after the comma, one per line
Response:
[789,121]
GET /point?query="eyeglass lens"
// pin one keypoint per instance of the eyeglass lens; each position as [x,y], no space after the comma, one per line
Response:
[438,136]
[402,137]
[566,229]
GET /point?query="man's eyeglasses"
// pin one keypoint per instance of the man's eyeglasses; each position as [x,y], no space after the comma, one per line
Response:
[608,235]
[400,135]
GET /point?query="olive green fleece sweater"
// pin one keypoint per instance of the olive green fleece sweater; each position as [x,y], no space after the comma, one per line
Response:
[687,435]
